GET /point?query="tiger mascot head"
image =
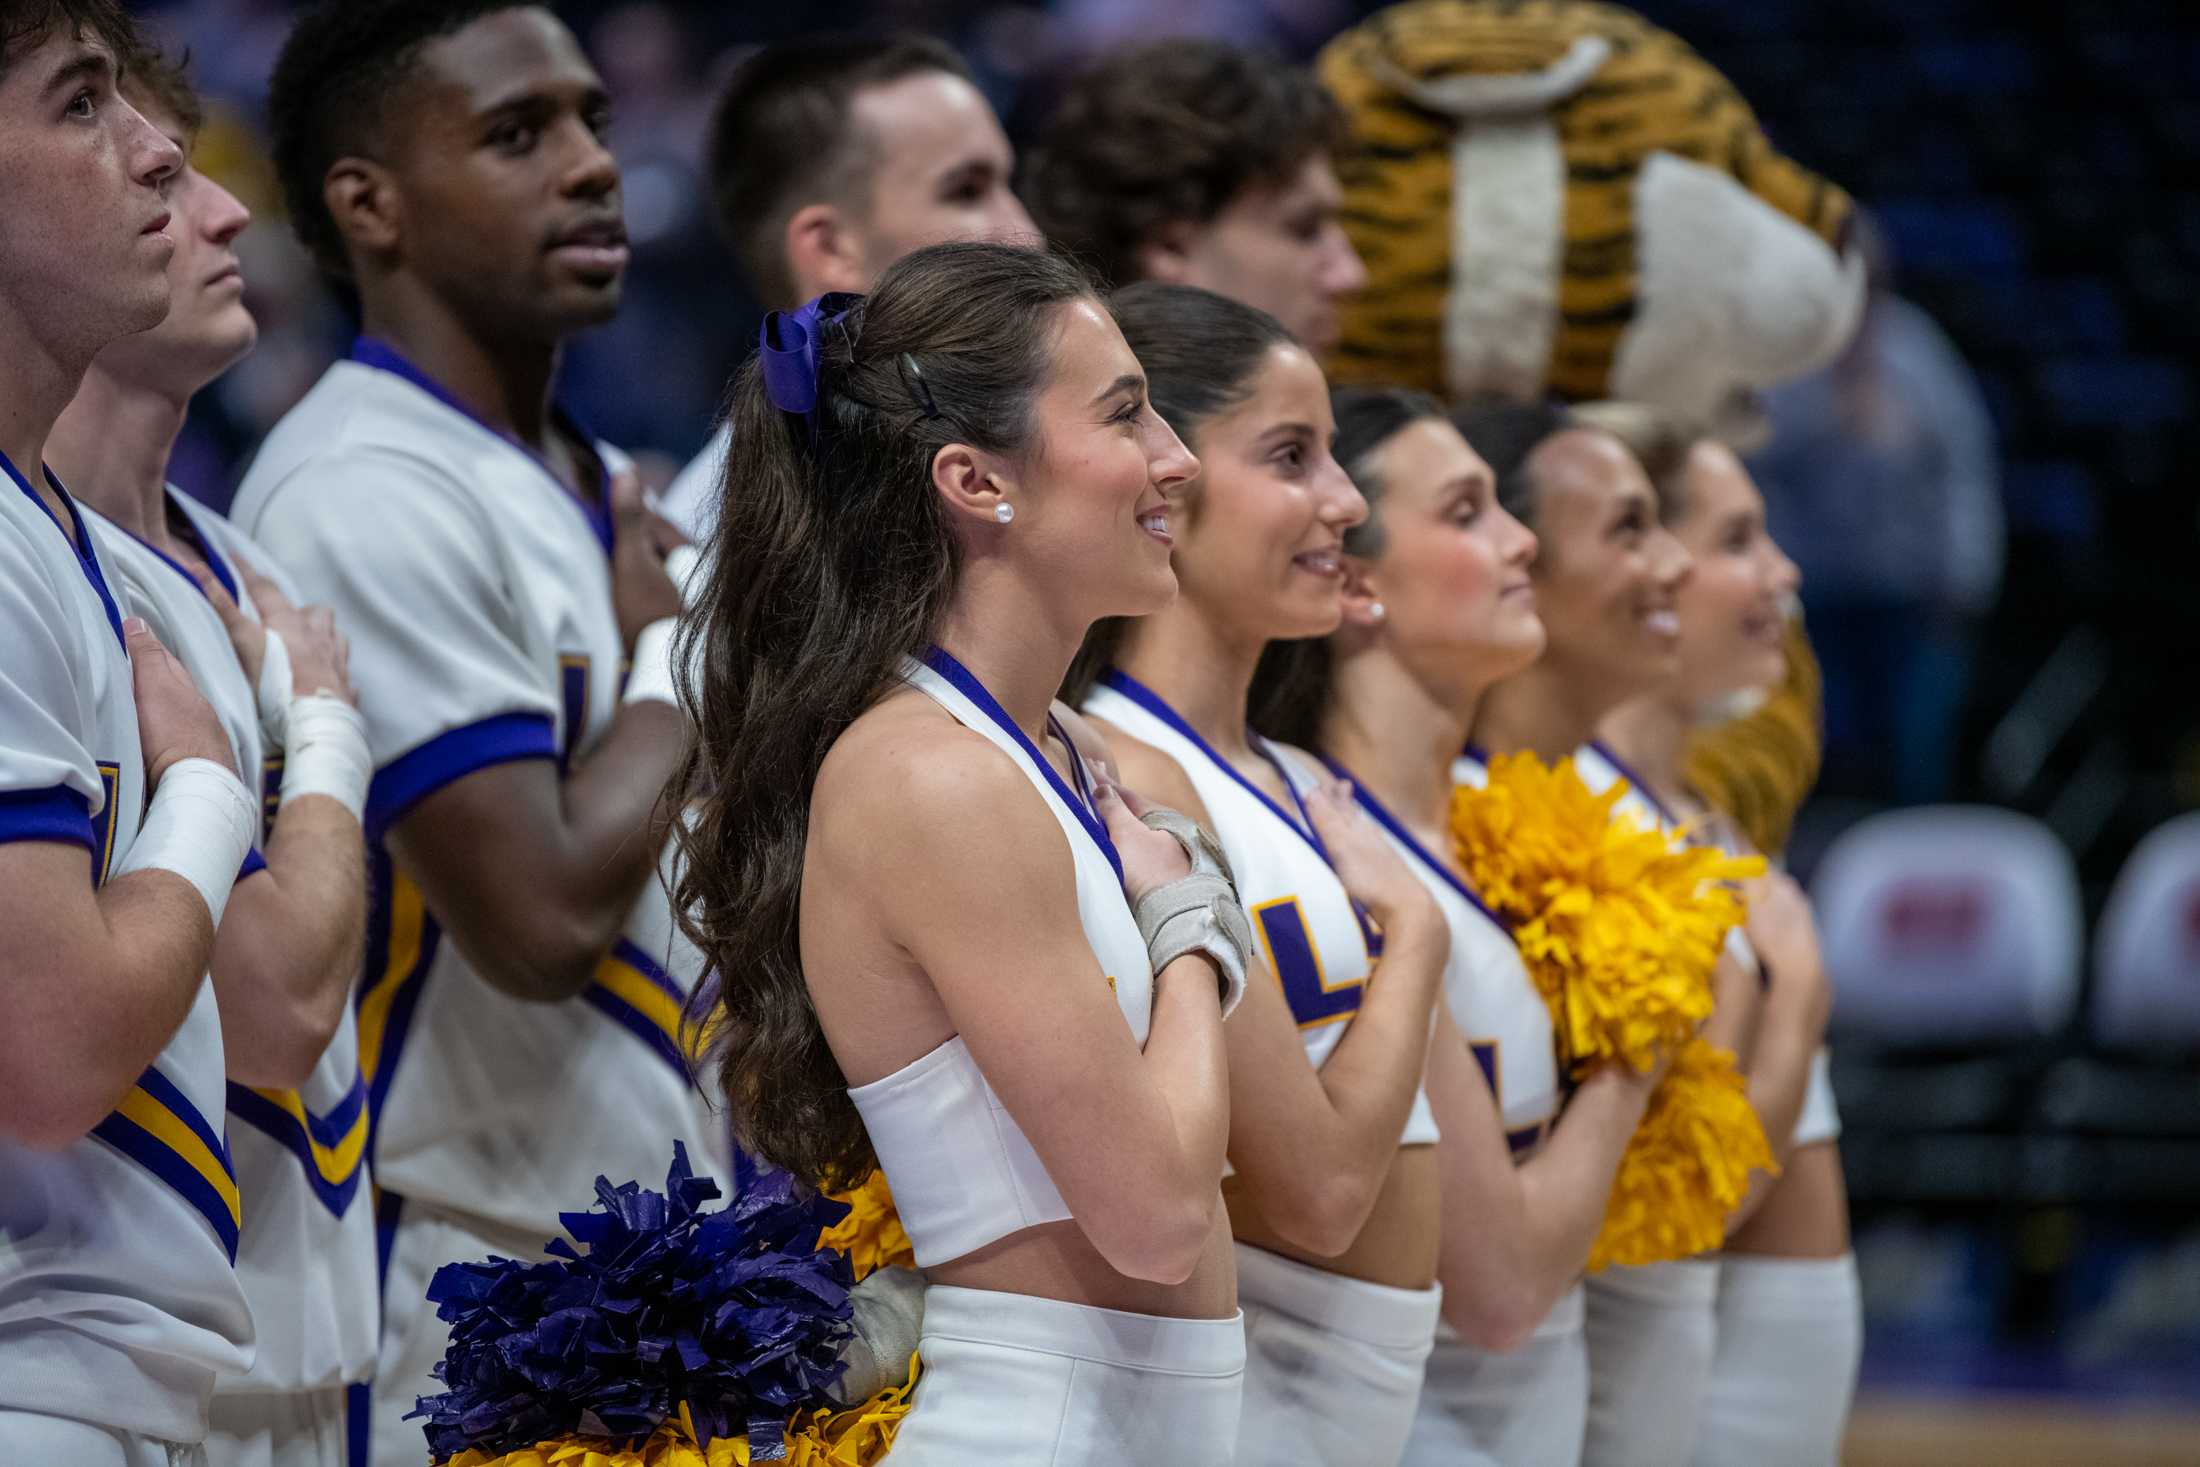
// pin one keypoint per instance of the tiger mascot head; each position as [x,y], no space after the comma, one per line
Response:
[1557,196]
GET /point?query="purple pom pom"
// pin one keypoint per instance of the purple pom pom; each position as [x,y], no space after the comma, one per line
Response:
[737,1313]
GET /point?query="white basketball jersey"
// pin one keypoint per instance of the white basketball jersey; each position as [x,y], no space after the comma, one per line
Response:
[306,1253]
[476,593]
[1486,985]
[119,1299]
[1317,943]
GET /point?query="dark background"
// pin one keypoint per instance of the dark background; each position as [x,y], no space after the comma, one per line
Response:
[2033,167]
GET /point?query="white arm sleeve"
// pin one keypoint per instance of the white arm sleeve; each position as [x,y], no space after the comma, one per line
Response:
[49,780]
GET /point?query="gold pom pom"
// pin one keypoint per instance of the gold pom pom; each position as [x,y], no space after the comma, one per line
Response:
[859,1436]
[1621,926]
[1687,1166]
[871,1234]
[1619,923]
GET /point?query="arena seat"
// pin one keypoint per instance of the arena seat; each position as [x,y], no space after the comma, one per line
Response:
[1949,926]
[2146,954]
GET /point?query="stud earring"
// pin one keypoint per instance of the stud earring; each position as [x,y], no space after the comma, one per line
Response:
[1004,512]
[1375,611]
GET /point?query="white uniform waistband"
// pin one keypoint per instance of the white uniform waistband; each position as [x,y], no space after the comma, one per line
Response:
[1679,1284]
[1783,1285]
[1372,1314]
[1568,1314]
[1149,1342]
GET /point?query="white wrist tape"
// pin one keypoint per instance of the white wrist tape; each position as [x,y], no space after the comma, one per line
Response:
[889,1318]
[274,688]
[1197,913]
[651,674]
[684,563]
[199,825]
[327,752]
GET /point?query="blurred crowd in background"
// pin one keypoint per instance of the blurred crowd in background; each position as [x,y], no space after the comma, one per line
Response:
[1989,495]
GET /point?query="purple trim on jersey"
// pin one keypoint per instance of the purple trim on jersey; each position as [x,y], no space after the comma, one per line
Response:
[1634,781]
[1477,753]
[87,554]
[253,861]
[419,772]
[58,814]
[1411,842]
[369,351]
[203,545]
[965,682]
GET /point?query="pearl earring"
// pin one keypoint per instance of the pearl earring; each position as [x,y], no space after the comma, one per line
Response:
[1004,512]
[1375,611]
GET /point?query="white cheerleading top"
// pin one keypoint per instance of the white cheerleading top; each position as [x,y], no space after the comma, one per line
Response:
[1600,769]
[306,1254]
[1486,984]
[962,1172]
[475,589]
[119,1299]
[1317,943]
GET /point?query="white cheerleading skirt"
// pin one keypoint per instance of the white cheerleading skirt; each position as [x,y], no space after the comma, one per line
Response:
[1651,1332]
[1010,1378]
[1791,1331]
[1523,1408]
[1333,1365]
[30,1437]
[279,1429]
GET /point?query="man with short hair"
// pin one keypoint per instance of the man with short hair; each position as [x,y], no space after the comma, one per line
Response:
[1199,163]
[288,945]
[831,157]
[119,1302]
[519,1017]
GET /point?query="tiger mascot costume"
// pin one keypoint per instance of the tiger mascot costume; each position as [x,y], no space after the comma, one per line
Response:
[1555,196]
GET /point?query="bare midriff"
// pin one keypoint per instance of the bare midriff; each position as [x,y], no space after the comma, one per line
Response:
[1806,1215]
[1055,1261]
[1398,1245]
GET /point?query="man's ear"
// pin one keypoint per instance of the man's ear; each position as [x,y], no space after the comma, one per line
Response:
[1166,256]
[972,483]
[363,198]
[823,251]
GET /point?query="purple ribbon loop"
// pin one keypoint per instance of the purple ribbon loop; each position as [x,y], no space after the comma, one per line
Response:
[787,347]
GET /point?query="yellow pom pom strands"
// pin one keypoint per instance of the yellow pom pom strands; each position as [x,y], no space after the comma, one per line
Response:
[871,1234]
[857,1437]
[1619,924]
[1687,1166]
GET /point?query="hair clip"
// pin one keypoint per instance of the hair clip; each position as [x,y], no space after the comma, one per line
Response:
[912,377]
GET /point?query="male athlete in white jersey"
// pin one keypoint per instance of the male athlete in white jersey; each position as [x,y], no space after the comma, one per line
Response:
[119,1303]
[288,946]
[831,157]
[519,1012]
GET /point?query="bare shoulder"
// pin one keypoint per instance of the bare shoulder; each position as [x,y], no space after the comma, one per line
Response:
[1155,776]
[906,782]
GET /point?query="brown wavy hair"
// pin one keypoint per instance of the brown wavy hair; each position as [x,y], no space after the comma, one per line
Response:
[832,561]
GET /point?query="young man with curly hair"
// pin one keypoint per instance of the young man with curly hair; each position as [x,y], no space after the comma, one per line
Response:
[1198,163]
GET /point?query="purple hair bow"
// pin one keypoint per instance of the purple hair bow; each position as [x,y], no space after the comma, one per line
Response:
[787,346]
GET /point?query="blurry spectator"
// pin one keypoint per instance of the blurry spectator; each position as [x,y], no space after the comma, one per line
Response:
[830,158]
[1201,163]
[1883,479]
